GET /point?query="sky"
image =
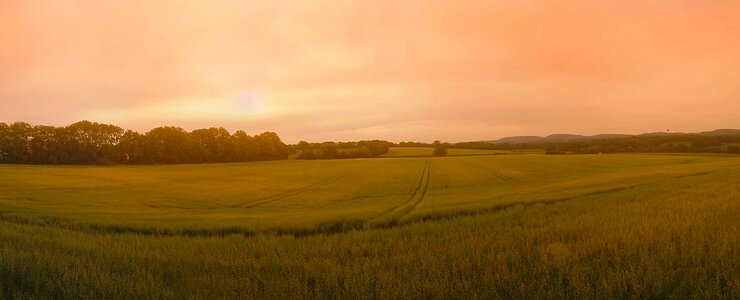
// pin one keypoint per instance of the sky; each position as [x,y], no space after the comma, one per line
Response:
[396,70]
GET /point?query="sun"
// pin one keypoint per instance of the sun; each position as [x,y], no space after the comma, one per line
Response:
[248,102]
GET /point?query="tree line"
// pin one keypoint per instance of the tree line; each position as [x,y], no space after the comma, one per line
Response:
[339,150]
[88,142]
[682,143]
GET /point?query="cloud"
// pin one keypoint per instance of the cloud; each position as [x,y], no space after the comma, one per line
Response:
[405,70]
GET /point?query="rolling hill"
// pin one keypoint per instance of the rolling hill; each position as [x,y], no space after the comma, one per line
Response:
[554,138]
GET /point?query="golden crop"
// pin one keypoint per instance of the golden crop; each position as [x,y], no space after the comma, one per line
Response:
[503,226]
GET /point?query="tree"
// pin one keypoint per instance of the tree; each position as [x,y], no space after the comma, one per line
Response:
[92,142]
[132,148]
[168,145]
[16,144]
[245,147]
[4,142]
[377,147]
[43,145]
[439,149]
[328,150]
[271,147]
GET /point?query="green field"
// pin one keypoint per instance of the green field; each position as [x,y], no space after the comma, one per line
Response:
[495,226]
[427,151]
[467,152]
[408,152]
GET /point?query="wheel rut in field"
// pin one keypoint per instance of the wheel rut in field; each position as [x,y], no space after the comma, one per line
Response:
[423,190]
[394,214]
[293,192]
[499,175]
[493,172]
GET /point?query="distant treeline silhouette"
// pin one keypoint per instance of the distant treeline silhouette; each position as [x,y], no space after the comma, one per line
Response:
[88,142]
[683,143]
[339,150]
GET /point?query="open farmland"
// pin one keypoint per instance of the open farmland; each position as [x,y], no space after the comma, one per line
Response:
[499,226]
[427,152]
[409,152]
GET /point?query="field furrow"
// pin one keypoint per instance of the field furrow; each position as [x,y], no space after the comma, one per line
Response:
[294,193]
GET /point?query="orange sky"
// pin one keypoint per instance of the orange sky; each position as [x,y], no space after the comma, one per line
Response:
[396,70]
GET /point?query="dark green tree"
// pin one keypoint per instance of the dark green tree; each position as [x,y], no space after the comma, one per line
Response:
[440,149]
[168,145]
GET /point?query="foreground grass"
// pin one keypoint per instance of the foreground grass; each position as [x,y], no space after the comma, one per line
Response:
[669,237]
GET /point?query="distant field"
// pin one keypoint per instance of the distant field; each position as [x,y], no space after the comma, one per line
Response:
[408,152]
[427,151]
[464,152]
[497,226]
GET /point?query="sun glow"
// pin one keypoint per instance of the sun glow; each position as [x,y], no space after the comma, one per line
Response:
[242,105]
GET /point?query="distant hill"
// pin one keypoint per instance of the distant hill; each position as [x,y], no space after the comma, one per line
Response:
[518,139]
[554,138]
[722,132]
[529,139]
[660,133]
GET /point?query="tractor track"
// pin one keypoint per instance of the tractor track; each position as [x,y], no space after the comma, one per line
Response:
[493,172]
[424,189]
[499,175]
[412,201]
[293,192]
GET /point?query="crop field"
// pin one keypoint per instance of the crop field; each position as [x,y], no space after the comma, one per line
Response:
[409,152]
[491,226]
[427,152]
[467,152]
